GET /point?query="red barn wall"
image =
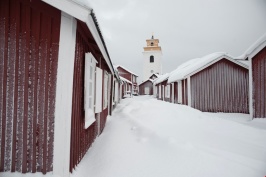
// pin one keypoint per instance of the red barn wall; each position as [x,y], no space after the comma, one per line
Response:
[259,84]
[29,40]
[221,87]
[82,139]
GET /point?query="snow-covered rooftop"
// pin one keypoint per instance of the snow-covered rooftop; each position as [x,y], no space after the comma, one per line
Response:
[124,79]
[84,3]
[197,64]
[116,66]
[146,81]
[253,47]
[82,10]
[162,78]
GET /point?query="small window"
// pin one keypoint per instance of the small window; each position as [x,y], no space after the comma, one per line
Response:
[151,59]
[89,89]
[151,43]
[105,96]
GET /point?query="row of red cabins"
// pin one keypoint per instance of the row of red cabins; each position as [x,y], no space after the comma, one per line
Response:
[219,82]
[57,85]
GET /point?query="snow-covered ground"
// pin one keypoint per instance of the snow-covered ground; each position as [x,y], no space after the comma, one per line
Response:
[149,138]
[146,137]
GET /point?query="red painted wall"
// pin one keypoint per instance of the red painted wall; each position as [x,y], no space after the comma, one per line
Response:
[82,139]
[146,84]
[124,73]
[259,84]
[221,87]
[29,40]
[184,92]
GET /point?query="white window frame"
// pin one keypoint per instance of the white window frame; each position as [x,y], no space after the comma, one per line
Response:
[105,90]
[99,90]
[89,89]
[179,88]
[167,91]
[160,94]
[116,92]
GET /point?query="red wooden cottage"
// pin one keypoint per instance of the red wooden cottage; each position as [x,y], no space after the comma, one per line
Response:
[256,55]
[55,84]
[129,76]
[117,88]
[214,83]
[126,89]
[164,90]
[146,87]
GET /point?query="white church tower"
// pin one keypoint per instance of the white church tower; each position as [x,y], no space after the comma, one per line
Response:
[152,58]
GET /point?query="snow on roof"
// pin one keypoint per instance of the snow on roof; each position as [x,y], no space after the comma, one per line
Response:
[124,79]
[197,64]
[162,78]
[84,3]
[82,10]
[245,62]
[261,42]
[146,81]
[116,66]
[157,75]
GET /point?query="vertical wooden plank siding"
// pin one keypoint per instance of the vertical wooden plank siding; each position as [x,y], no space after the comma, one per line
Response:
[175,92]
[81,139]
[259,84]
[184,92]
[221,87]
[29,40]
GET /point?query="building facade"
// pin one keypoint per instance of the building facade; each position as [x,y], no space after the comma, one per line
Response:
[152,58]
[214,83]
[130,79]
[55,85]
[256,57]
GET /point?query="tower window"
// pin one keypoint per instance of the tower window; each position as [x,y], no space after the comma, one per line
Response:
[151,43]
[151,59]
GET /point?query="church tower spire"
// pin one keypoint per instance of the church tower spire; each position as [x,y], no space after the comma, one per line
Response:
[152,58]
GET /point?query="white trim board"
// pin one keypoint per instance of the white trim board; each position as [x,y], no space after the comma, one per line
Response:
[82,13]
[64,89]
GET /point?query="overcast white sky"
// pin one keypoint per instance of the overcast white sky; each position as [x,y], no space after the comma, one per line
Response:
[186,28]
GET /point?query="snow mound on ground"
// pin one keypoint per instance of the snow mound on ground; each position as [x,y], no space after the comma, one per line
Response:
[147,137]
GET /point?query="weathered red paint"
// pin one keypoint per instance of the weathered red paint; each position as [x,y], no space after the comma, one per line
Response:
[29,40]
[221,87]
[259,84]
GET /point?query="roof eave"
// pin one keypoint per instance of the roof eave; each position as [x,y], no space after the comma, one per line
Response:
[84,14]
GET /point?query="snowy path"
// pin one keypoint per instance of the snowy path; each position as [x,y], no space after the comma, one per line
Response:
[150,138]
